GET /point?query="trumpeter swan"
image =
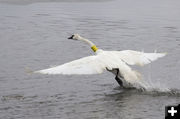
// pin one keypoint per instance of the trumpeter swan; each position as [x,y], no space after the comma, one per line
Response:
[116,62]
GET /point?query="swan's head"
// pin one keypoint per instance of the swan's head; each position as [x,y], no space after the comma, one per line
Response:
[75,37]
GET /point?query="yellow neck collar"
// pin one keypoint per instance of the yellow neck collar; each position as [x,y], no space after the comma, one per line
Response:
[94,48]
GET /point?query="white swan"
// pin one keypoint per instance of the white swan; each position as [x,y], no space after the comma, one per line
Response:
[116,62]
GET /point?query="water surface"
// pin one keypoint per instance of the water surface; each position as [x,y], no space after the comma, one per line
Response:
[34,35]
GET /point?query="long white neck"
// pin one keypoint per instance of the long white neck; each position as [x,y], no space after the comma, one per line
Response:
[92,45]
[86,40]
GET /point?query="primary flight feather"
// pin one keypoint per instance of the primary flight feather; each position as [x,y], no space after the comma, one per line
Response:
[116,62]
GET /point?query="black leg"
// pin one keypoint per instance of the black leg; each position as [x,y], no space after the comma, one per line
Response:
[118,79]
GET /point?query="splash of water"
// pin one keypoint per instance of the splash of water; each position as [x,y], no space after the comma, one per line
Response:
[150,87]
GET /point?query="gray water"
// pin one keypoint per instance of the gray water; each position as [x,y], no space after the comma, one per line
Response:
[34,35]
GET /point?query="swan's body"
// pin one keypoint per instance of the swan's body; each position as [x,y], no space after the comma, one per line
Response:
[112,61]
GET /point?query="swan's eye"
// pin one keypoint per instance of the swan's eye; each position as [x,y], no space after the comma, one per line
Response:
[71,37]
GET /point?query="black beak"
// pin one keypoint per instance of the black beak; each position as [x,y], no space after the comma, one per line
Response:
[71,37]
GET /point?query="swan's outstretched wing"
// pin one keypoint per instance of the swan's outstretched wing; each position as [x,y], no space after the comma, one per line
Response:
[137,58]
[86,65]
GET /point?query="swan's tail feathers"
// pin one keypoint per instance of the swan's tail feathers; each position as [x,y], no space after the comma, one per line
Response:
[133,76]
[132,79]
[138,75]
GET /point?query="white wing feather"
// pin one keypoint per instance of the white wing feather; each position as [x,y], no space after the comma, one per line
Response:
[138,58]
[86,65]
